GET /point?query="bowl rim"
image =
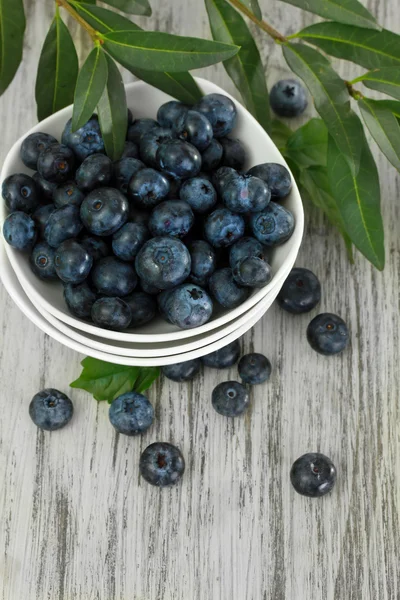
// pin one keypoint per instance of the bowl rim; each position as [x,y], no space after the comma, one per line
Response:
[219,321]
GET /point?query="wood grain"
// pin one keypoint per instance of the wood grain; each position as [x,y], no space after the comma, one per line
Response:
[76,520]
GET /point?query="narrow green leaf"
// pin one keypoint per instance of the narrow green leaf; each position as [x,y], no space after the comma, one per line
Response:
[113,112]
[383,127]
[57,71]
[280,133]
[254,7]
[12,29]
[331,98]
[358,200]
[370,49]
[91,82]
[351,12]
[245,68]
[308,145]
[315,181]
[146,377]
[385,80]
[391,105]
[155,51]
[133,7]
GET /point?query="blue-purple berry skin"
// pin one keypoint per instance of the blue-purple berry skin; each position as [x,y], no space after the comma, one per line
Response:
[80,299]
[111,313]
[328,334]
[301,291]
[184,371]
[225,290]
[223,228]
[254,368]
[162,464]
[230,399]
[220,111]
[273,226]
[19,231]
[143,307]
[131,413]
[50,409]
[163,262]
[225,357]
[113,277]
[62,224]
[32,146]
[276,176]
[288,98]
[20,193]
[41,261]
[313,475]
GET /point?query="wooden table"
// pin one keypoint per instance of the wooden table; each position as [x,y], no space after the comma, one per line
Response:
[77,523]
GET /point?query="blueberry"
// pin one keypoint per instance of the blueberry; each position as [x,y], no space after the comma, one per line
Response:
[225,289]
[174,188]
[185,371]
[172,217]
[68,193]
[203,260]
[313,475]
[20,193]
[111,313]
[233,153]
[161,464]
[224,357]
[73,262]
[187,306]
[131,150]
[143,307]
[171,112]
[179,159]
[41,216]
[288,98]
[42,261]
[301,291]
[124,170]
[63,223]
[79,299]
[149,289]
[84,141]
[254,368]
[328,334]
[95,171]
[150,143]
[32,146]
[246,247]
[199,193]
[252,272]
[139,127]
[113,277]
[51,409]
[223,228]
[45,188]
[163,262]
[104,211]
[128,240]
[96,246]
[277,177]
[245,193]
[194,128]
[220,111]
[212,156]
[221,177]
[272,226]
[131,413]
[19,231]
[147,188]
[230,399]
[56,163]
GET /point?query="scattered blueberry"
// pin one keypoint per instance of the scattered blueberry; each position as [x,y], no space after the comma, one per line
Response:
[124,170]
[301,291]
[230,399]
[203,263]
[288,98]
[254,368]
[272,226]
[139,127]
[172,217]
[150,143]
[51,409]
[328,334]
[131,413]
[19,231]
[224,357]
[112,277]
[276,176]
[128,240]
[233,153]
[179,159]
[220,111]
[56,163]
[194,128]
[212,156]
[223,228]
[104,211]
[185,371]
[96,246]
[95,171]
[62,224]
[245,193]
[162,464]
[73,262]
[171,112]
[199,193]
[186,306]
[68,193]
[111,313]
[20,193]
[225,289]
[45,188]
[42,261]
[84,141]
[79,299]
[131,150]
[313,475]
[41,216]
[143,307]
[32,146]
[147,188]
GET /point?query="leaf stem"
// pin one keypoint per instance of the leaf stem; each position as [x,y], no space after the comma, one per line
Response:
[95,35]
[278,37]
[356,94]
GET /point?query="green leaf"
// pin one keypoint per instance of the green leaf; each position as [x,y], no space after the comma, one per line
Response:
[133,7]
[91,82]
[370,49]
[155,51]
[179,85]
[12,29]
[308,145]
[343,11]
[113,112]
[391,105]
[315,181]
[280,133]
[385,80]
[106,381]
[383,127]
[57,71]
[254,7]
[331,98]
[358,200]
[245,68]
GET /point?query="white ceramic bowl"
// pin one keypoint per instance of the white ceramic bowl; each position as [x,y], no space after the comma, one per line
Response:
[145,100]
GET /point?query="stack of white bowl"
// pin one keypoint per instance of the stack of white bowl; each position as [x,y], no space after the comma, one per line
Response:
[158,342]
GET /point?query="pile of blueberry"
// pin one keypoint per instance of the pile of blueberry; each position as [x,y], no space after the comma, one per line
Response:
[176,226]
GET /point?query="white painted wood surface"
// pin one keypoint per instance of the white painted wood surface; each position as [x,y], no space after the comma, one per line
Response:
[77,523]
